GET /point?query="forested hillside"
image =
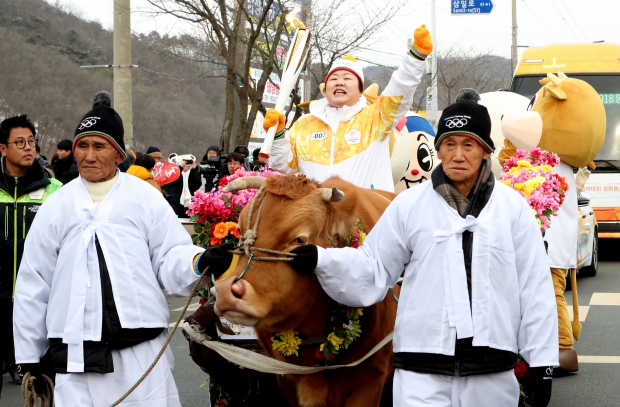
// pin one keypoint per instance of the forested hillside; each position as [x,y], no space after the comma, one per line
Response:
[41,50]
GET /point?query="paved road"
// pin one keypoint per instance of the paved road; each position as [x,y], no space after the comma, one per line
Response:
[596,383]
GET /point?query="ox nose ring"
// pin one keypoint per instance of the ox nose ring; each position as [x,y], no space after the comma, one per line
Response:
[245,268]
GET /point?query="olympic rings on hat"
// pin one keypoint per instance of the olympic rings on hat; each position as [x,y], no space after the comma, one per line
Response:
[456,122]
[88,122]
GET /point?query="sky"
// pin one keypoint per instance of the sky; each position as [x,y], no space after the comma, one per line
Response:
[540,22]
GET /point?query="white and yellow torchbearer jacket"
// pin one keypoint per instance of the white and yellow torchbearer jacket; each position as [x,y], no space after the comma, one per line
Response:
[58,290]
[351,142]
[513,302]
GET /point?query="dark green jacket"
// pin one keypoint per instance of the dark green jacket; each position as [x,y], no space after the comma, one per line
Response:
[20,198]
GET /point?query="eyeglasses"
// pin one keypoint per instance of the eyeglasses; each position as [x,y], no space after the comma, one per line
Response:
[21,144]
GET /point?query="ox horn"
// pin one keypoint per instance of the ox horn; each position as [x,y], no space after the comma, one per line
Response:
[561,75]
[331,194]
[554,79]
[244,183]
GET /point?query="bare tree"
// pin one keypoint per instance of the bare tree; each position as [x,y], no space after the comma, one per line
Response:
[342,27]
[229,37]
[459,68]
[232,36]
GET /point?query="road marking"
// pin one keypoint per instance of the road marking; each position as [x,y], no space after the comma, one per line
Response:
[192,307]
[583,312]
[605,299]
[598,359]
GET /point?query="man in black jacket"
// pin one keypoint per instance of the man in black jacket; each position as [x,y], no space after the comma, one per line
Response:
[65,168]
[24,186]
[211,168]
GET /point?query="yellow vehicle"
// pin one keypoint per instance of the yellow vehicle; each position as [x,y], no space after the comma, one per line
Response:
[599,65]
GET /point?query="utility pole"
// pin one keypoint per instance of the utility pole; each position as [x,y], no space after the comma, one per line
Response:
[122,67]
[514,36]
[431,94]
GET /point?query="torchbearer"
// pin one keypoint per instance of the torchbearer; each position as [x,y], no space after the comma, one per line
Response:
[476,289]
[90,288]
[343,135]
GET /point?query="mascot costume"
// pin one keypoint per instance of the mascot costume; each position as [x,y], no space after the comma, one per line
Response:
[419,154]
[567,117]
[498,103]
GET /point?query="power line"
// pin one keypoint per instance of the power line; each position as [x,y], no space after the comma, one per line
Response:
[387,25]
[376,63]
[539,22]
[566,22]
[574,21]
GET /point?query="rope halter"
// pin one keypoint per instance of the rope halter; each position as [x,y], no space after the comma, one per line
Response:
[246,242]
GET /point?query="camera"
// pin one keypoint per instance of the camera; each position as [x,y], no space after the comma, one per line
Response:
[175,158]
[214,161]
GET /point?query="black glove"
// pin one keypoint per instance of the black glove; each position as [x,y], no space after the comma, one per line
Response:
[217,258]
[306,259]
[35,371]
[540,380]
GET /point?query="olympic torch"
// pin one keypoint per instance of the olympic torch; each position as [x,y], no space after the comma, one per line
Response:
[295,59]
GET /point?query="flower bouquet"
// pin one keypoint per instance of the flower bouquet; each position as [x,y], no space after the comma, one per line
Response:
[531,174]
[216,213]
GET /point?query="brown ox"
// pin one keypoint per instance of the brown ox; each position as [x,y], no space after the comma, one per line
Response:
[274,298]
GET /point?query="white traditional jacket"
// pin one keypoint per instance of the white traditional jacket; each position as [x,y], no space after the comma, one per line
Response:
[513,302]
[562,235]
[58,290]
[353,141]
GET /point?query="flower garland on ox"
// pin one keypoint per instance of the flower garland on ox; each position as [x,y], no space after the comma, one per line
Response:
[344,327]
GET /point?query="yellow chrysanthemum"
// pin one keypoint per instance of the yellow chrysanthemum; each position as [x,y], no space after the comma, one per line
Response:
[288,343]
[524,164]
[362,238]
[518,187]
[505,182]
[335,340]
[546,167]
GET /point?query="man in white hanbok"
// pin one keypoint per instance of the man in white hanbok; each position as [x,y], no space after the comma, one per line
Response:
[476,291]
[90,290]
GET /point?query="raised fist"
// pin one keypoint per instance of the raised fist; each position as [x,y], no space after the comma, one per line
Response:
[272,118]
[422,42]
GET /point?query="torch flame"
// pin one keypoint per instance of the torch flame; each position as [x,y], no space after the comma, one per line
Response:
[293,21]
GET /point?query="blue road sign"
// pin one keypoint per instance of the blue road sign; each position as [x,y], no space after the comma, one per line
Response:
[471,7]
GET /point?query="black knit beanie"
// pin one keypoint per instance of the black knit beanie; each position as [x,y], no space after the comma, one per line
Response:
[102,121]
[467,119]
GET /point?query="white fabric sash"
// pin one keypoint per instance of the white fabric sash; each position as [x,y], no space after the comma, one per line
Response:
[73,334]
[455,278]
[186,195]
